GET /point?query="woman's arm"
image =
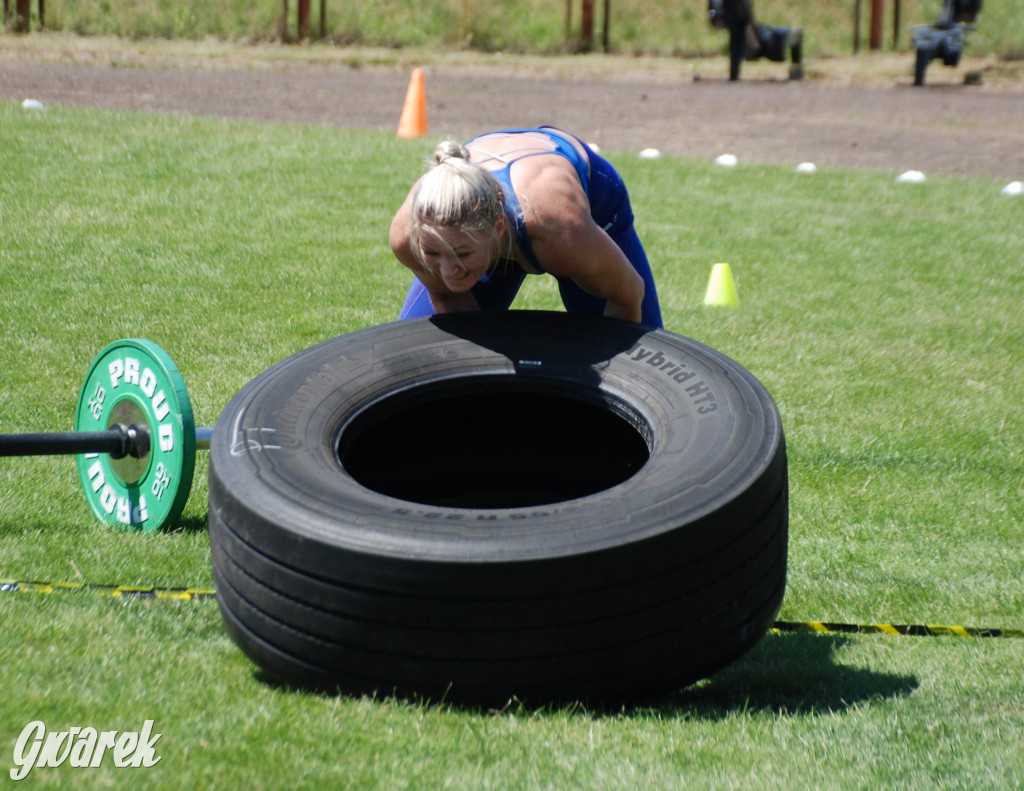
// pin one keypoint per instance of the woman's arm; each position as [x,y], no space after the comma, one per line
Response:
[568,243]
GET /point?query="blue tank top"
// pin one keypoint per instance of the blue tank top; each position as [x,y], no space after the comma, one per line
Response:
[513,210]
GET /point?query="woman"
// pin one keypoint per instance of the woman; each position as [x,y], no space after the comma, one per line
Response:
[517,202]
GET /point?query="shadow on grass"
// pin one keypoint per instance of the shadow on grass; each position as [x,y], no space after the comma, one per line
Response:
[786,674]
[189,524]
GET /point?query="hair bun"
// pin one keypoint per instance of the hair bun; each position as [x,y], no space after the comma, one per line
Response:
[449,149]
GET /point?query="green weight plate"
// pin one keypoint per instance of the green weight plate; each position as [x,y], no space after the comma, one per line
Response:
[134,382]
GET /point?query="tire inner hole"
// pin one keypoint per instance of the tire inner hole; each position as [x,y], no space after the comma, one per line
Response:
[494,445]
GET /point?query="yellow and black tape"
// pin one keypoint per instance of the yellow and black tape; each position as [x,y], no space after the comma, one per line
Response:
[116,591]
[907,630]
[814,627]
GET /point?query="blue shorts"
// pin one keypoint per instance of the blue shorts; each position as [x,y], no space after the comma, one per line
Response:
[611,209]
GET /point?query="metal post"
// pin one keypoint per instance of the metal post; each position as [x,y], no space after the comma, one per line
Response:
[604,32]
[23,11]
[877,10]
[587,26]
[856,26]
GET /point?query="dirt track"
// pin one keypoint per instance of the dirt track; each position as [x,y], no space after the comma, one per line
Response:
[943,127]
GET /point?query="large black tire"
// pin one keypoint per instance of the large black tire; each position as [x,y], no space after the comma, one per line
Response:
[480,506]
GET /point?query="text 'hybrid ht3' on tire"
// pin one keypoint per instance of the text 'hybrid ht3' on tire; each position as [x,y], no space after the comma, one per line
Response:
[480,506]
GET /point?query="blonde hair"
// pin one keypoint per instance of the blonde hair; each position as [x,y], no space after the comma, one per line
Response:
[454,193]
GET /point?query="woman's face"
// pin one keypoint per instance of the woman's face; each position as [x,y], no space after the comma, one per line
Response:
[459,258]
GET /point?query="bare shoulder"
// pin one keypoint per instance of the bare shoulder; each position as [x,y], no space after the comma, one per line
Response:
[549,191]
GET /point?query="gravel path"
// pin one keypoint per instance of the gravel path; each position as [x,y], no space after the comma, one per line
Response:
[944,127]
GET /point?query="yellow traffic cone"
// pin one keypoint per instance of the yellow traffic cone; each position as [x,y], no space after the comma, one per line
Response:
[721,289]
[413,122]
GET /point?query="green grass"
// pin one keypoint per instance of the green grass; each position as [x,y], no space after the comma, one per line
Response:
[634,26]
[883,317]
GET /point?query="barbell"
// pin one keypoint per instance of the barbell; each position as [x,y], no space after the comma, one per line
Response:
[135,437]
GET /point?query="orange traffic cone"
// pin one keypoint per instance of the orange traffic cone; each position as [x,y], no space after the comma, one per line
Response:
[413,122]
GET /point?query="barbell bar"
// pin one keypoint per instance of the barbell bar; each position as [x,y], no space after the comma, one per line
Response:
[135,437]
[119,441]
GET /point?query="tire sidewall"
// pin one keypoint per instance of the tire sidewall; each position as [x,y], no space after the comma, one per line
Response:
[713,429]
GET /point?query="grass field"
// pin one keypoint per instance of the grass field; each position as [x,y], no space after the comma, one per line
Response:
[883,317]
